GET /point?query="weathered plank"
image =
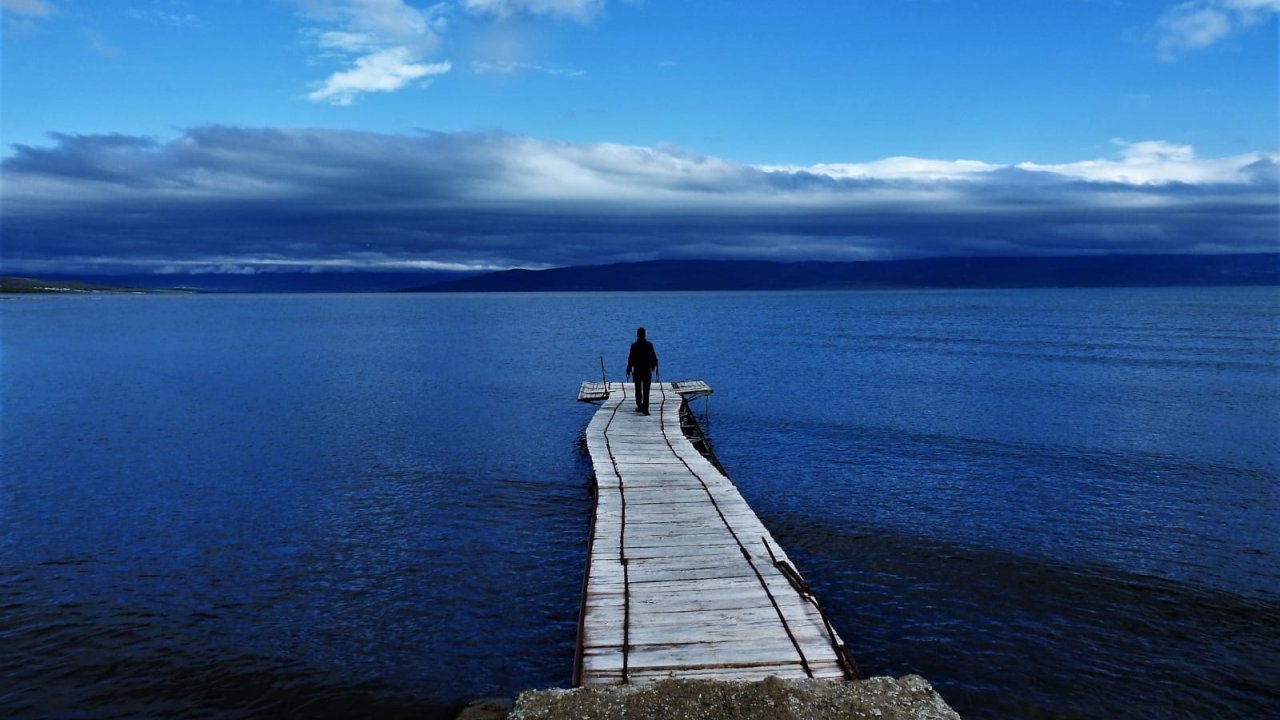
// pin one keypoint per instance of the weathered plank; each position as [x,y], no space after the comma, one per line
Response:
[681,580]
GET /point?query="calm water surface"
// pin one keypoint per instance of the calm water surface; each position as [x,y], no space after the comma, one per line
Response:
[1051,503]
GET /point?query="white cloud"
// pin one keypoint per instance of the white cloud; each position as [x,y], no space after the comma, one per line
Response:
[158,16]
[507,67]
[257,265]
[385,42]
[23,17]
[1150,162]
[580,10]
[391,21]
[1197,24]
[896,168]
[1253,5]
[351,42]
[383,71]
[1155,162]
[1153,151]
[28,8]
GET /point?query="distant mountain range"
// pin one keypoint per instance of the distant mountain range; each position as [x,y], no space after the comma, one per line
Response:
[969,272]
[21,285]
[678,275]
[266,282]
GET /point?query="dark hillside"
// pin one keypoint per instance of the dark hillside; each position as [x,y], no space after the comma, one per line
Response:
[988,272]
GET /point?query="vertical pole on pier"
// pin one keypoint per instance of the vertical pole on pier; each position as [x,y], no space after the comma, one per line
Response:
[603,378]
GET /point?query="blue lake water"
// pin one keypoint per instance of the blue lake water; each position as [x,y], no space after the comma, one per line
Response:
[1050,503]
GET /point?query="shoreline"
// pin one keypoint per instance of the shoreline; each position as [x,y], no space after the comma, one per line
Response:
[910,697]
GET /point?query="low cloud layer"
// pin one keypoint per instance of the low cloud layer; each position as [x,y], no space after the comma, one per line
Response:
[239,199]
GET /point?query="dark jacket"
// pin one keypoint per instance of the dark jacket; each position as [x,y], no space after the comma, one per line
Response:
[642,359]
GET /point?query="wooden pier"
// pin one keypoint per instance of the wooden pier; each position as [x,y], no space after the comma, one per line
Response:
[682,579]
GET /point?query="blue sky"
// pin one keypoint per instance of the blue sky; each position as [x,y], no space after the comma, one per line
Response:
[284,134]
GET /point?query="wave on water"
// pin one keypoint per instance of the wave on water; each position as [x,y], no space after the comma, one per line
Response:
[1073,639]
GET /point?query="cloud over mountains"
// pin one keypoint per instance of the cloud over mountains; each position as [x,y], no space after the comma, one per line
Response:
[263,199]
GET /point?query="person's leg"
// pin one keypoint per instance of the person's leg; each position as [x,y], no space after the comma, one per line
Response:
[648,380]
[640,388]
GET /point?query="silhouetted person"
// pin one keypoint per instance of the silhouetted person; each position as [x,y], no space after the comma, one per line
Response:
[641,363]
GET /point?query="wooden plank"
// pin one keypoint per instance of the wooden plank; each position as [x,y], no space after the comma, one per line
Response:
[758,671]
[724,600]
[670,632]
[695,606]
[745,650]
[641,592]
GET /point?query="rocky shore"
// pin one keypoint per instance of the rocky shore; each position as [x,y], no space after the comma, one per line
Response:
[880,698]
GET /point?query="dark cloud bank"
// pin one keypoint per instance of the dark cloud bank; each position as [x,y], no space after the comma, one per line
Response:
[231,200]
